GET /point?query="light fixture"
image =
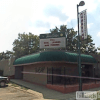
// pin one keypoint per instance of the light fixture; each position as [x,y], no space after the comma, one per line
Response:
[82,3]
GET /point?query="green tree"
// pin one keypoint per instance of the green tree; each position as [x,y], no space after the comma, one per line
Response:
[87,46]
[25,44]
[8,54]
[98,48]
[55,30]
[71,40]
[5,55]
[1,55]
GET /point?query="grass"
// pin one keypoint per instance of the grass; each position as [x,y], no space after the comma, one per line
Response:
[15,85]
[24,88]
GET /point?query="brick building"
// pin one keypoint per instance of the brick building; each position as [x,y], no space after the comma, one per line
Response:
[54,62]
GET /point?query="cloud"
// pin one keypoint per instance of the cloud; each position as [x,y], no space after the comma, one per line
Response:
[40,16]
[75,28]
[55,11]
[72,23]
[91,5]
[89,25]
[98,34]
[41,23]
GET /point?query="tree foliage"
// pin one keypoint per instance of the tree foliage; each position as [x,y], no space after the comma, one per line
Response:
[98,48]
[6,55]
[25,44]
[87,46]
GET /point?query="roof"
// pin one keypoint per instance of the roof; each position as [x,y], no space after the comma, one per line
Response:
[54,56]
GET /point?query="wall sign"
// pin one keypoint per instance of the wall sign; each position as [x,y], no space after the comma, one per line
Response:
[57,40]
[39,69]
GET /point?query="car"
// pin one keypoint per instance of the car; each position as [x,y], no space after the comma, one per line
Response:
[3,81]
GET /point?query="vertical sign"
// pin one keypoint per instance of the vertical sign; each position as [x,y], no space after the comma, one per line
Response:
[83,24]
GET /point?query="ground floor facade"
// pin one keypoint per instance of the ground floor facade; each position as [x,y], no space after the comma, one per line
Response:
[57,70]
[51,75]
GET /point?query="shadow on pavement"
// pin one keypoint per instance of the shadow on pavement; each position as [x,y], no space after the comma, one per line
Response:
[4,86]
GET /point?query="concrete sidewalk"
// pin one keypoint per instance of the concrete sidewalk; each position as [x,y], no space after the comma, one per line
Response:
[48,93]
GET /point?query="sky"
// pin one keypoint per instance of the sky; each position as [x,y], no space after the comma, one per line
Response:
[39,16]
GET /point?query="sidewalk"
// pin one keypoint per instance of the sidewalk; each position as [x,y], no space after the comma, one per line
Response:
[48,93]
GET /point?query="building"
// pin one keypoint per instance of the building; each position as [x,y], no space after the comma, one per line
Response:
[40,68]
[6,67]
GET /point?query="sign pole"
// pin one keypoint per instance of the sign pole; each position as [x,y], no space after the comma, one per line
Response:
[79,58]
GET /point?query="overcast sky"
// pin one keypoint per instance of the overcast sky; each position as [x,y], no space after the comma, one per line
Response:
[39,16]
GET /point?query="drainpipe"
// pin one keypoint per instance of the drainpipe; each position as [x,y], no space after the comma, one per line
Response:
[52,75]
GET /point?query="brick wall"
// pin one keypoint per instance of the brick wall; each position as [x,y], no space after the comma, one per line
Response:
[42,79]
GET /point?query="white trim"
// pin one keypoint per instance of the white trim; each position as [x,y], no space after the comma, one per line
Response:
[52,62]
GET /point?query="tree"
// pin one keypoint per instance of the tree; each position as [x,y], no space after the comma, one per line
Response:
[54,30]
[5,55]
[71,40]
[1,55]
[98,48]
[8,54]
[25,44]
[87,46]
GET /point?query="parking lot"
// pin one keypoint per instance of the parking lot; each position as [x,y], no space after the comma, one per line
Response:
[14,92]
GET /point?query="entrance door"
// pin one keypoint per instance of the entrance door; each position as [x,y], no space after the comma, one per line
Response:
[87,71]
[49,77]
[53,79]
[1,72]
[57,79]
[18,72]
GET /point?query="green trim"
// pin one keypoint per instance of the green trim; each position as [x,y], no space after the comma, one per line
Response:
[49,35]
[54,56]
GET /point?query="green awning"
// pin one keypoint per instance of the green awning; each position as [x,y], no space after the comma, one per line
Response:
[54,56]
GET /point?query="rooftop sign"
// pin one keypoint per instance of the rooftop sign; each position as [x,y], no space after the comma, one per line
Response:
[56,40]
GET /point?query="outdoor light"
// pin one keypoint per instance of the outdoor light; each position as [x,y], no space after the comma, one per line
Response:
[82,3]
